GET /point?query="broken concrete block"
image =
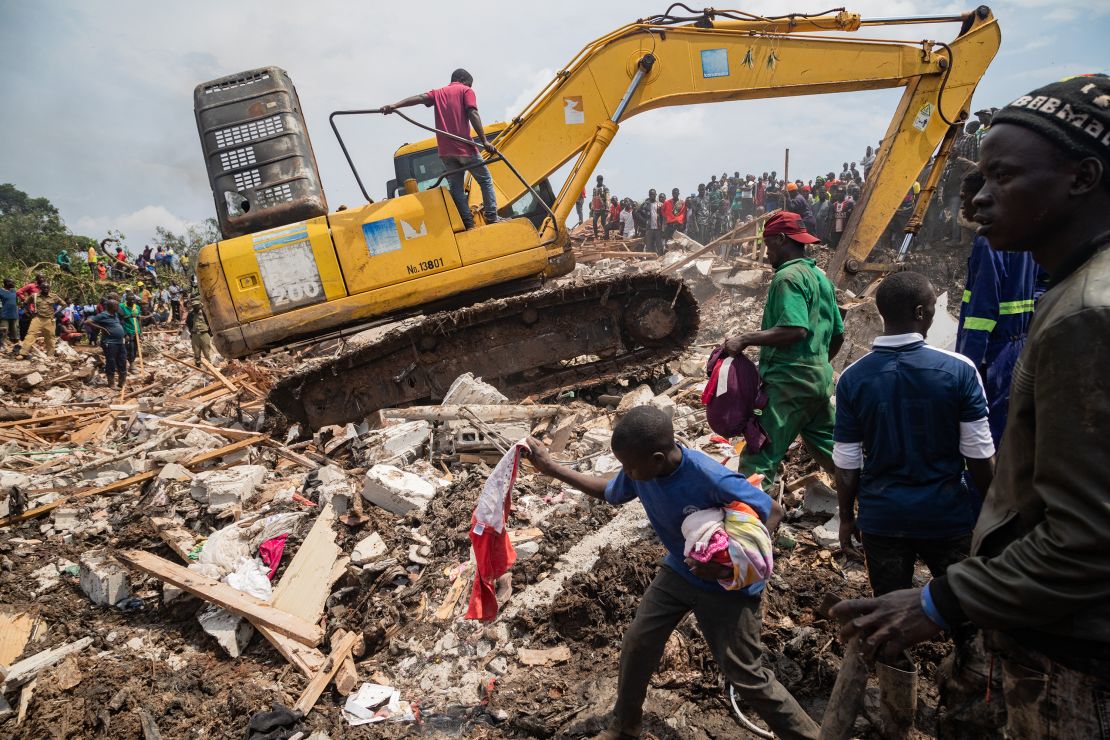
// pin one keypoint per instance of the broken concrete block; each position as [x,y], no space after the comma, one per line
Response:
[368,549]
[746,279]
[30,380]
[200,440]
[171,455]
[232,632]
[331,485]
[404,443]
[173,471]
[66,519]
[468,389]
[819,499]
[396,490]
[131,465]
[58,395]
[103,579]
[665,404]
[223,488]
[640,396]
[828,534]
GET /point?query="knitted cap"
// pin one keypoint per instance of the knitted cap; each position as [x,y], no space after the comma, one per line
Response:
[1073,113]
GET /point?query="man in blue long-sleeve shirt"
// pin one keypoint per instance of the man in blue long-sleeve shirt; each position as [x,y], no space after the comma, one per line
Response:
[997,309]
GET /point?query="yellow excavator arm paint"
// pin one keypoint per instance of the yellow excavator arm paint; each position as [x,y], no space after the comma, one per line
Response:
[289,271]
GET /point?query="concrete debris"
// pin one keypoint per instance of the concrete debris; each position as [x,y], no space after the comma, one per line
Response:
[469,389]
[173,471]
[819,499]
[103,579]
[827,535]
[368,549]
[223,488]
[31,380]
[639,396]
[396,490]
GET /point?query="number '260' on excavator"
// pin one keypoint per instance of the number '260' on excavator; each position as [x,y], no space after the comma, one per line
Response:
[483,300]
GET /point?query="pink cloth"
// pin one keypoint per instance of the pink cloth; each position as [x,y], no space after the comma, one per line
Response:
[718,543]
[270,551]
[452,109]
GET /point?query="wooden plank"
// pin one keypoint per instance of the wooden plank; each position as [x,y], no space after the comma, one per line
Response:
[212,370]
[699,249]
[485,412]
[15,630]
[48,417]
[560,435]
[303,590]
[223,595]
[180,540]
[126,482]
[347,677]
[324,676]
[235,434]
[288,454]
[29,668]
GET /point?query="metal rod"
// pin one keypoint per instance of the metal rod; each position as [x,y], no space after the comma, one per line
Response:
[912,19]
[641,69]
[350,162]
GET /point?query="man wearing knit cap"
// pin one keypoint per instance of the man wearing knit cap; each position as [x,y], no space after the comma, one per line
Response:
[1038,579]
[802,330]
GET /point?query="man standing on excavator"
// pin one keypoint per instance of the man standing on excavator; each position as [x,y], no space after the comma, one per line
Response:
[456,110]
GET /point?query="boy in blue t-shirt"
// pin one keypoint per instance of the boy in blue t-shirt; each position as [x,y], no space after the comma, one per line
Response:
[113,342]
[672,482]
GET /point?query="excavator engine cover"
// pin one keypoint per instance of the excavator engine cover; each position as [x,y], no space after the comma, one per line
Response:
[260,161]
[519,344]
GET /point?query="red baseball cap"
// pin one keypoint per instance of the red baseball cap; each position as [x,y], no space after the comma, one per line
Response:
[789,224]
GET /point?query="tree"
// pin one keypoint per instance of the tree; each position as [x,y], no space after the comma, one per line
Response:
[31,229]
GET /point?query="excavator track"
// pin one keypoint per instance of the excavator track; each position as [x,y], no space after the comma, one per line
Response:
[536,344]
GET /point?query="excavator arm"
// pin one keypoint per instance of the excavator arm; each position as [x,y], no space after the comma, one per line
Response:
[656,64]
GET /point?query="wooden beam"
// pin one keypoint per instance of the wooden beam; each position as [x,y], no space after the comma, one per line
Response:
[234,434]
[485,412]
[125,483]
[225,596]
[29,668]
[320,681]
[699,250]
[180,540]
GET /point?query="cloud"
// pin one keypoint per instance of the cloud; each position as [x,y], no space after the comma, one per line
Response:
[137,226]
[529,88]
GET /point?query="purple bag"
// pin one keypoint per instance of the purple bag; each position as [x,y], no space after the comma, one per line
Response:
[733,398]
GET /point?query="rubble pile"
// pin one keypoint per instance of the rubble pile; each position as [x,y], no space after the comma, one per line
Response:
[170,569]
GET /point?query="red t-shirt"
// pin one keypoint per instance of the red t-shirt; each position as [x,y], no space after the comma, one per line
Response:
[452,106]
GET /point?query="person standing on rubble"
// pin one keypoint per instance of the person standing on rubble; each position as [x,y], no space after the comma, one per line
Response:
[200,335]
[674,214]
[1038,578]
[671,481]
[113,341]
[9,315]
[131,313]
[913,501]
[802,330]
[456,110]
[997,310]
[599,206]
[38,303]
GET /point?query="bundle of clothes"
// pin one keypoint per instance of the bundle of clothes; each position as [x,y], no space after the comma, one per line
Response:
[732,536]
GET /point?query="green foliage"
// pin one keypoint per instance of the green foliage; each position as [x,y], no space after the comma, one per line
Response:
[31,229]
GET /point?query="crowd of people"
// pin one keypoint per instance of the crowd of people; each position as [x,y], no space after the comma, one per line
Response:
[114,320]
[119,267]
[824,204]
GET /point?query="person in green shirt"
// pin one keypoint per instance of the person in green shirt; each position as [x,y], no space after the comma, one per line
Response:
[802,330]
[131,316]
[63,260]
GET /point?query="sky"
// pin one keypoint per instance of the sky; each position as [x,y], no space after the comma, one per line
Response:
[97,113]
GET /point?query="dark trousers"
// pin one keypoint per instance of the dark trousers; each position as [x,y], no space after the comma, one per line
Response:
[599,218]
[653,241]
[890,560]
[730,623]
[11,328]
[115,359]
[132,347]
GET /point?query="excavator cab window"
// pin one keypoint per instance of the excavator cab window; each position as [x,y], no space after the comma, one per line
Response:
[527,206]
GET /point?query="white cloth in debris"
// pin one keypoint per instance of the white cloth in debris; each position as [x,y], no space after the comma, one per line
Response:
[490,511]
[698,527]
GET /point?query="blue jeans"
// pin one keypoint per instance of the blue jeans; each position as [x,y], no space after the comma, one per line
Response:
[481,176]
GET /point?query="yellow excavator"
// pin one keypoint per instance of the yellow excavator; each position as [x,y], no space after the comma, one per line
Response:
[288,271]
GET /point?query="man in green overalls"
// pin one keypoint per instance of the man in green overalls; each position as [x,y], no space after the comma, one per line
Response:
[802,330]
